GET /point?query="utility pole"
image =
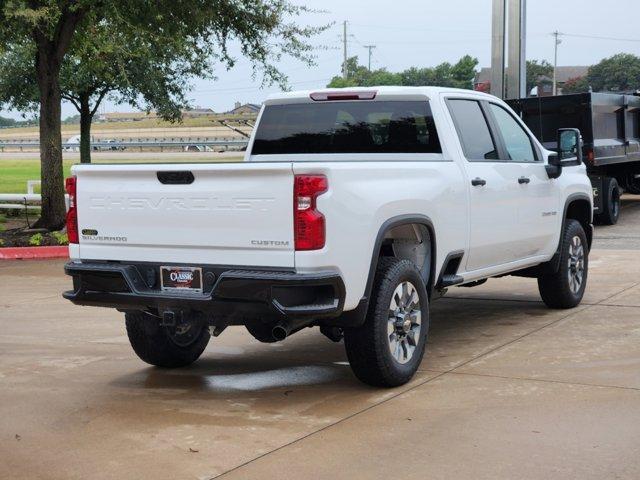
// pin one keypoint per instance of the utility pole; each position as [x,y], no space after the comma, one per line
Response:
[369,47]
[557,42]
[516,73]
[498,37]
[508,29]
[344,41]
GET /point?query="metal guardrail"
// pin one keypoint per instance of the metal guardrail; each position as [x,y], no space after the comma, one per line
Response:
[26,199]
[136,144]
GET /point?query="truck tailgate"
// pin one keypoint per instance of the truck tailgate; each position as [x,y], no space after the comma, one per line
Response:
[215,214]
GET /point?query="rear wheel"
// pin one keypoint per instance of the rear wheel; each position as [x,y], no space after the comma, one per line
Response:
[163,346]
[387,349]
[610,202]
[565,288]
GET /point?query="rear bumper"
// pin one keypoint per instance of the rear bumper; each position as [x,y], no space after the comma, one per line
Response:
[233,295]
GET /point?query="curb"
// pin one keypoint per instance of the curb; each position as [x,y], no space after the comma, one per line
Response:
[32,253]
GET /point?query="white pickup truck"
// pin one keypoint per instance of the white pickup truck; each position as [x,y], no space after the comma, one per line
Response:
[352,210]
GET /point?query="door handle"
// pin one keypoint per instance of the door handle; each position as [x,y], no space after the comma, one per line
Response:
[523,180]
[478,182]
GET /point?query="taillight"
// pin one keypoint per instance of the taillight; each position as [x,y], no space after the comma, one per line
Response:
[72,213]
[309,226]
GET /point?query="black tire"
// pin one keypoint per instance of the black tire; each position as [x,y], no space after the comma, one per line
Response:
[368,347]
[556,289]
[261,332]
[610,202]
[163,346]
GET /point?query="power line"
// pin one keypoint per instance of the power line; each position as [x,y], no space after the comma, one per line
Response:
[598,37]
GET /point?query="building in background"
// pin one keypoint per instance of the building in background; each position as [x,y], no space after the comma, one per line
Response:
[245,109]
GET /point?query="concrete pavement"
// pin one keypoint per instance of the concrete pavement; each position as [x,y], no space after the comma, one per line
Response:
[508,389]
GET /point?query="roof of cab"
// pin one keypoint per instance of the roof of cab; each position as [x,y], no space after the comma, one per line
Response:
[382,93]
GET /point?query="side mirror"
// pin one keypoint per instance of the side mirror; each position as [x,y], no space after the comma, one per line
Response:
[569,152]
[569,147]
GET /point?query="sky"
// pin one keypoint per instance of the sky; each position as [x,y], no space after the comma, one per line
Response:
[424,33]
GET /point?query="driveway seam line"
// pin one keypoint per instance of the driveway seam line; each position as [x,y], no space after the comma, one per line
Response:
[544,380]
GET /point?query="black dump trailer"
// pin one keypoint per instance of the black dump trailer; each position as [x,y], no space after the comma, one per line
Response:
[610,127]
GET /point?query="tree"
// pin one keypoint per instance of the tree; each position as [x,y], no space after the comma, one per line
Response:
[7,122]
[459,75]
[576,85]
[361,76]
[463,72]
[618,73]
[538,73]
[49,29]
[111,60]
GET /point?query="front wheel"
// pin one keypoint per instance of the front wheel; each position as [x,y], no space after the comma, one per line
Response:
[164,346]
[387,349]
[565,288]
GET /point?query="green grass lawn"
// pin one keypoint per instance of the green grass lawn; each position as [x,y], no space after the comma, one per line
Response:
[15,173]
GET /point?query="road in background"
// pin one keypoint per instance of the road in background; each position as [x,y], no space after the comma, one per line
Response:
[133,156]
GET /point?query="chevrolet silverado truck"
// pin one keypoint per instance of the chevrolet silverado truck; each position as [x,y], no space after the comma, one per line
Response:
[352,211]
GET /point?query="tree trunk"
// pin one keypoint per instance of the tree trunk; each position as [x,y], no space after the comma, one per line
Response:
[51,174]
[86,117]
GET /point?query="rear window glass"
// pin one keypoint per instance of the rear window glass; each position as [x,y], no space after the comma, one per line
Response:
[347,127]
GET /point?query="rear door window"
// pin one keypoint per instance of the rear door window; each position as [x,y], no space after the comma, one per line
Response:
[347,127]
[473,130]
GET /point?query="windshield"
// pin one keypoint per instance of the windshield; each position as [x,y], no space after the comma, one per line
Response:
[347,127]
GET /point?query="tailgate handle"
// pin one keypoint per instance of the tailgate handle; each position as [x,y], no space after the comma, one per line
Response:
[176,178]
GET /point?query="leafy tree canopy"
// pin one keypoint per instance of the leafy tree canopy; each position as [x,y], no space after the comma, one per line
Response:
[7,122]
[618,73]
[141,51]
[459,75]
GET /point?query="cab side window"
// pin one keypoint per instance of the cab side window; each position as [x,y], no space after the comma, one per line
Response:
[473,130]
[517,142]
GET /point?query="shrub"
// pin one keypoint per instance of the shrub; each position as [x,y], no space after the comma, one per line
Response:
[36,240]
[61,238]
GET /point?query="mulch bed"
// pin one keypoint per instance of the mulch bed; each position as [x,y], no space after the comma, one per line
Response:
[17,233]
